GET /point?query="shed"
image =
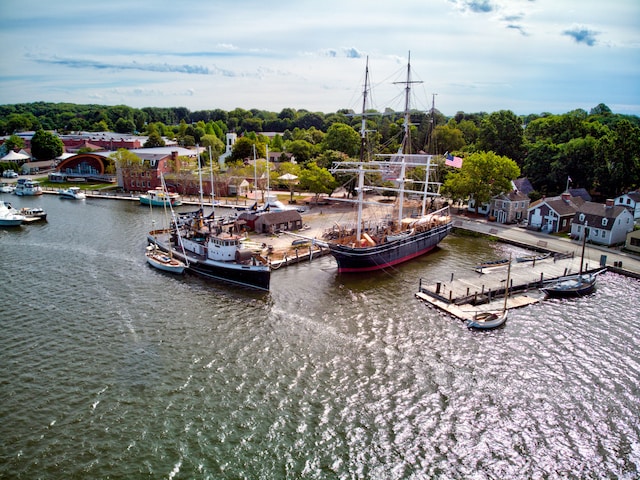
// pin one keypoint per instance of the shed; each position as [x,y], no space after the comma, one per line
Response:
[273,222]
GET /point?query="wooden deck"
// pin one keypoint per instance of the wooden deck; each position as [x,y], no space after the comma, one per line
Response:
[481,291]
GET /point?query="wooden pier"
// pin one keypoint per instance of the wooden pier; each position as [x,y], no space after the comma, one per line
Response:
[484,290]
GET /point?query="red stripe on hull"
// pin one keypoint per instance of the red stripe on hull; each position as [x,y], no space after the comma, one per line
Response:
[384,265]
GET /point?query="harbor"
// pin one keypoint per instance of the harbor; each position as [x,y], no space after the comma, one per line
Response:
[324,369]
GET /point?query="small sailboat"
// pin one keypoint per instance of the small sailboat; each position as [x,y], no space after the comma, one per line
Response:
[163,260]
[489,320]
[573,285]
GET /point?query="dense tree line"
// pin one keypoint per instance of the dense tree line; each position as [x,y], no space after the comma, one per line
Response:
[599,150]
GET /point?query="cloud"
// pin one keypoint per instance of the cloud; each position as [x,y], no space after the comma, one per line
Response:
[347,52]
[520,28]
[146,67]
[476,6]
[582,35]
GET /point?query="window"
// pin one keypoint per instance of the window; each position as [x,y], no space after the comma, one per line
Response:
[604,232]
[604,222]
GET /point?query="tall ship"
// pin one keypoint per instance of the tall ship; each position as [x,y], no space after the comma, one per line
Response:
[416,225]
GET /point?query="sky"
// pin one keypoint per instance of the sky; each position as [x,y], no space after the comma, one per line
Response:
[527,56]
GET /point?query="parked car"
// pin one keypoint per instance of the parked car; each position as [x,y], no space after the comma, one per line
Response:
[9,174]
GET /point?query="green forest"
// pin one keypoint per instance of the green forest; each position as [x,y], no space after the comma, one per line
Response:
[599,149]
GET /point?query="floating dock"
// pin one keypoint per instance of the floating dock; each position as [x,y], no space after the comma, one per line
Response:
[484,290]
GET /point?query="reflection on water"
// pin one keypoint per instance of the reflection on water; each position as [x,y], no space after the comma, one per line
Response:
[110,368]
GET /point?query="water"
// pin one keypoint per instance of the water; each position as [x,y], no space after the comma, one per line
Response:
[112,369]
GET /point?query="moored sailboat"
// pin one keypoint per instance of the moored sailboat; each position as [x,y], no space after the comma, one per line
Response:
[573,285]
[493,319]
[399,238]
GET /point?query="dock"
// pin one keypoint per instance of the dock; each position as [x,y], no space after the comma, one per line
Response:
[484,290]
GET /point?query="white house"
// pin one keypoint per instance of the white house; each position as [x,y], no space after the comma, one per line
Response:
[607,224]
[630,200]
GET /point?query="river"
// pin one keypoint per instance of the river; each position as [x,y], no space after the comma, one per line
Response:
[110,369]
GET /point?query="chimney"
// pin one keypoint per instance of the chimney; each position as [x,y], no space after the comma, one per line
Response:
[176,161]
[566,196]
[609,203]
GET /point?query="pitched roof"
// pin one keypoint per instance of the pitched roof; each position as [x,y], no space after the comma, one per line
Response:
[635,195]
[580,192]
[523,185]
[601,210]
[594,213]
[562,206]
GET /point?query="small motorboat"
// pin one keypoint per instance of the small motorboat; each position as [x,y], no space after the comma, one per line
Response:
[7,188]
[9,217]
[73,193]
[33,214]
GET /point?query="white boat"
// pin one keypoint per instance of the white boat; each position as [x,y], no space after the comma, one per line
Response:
[28,187]
[159,198]
[163,261]
[30,214]
[73,193]
[7,188]
[490,320]
[8,217]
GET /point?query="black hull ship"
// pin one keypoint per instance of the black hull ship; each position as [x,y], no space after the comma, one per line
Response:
[216,253]
[213,248]
[393,249]
[365,246]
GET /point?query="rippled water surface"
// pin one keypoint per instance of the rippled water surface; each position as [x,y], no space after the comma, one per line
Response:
[112,369]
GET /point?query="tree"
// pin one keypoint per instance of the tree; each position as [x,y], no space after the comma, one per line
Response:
[154,140]
[124,159]
[243,149]
[447,139]
[46,145]
[501,132]
[217,145]
[483,175]
[124,125]
[317,180]
[14,142]
[342,138]
[301,149]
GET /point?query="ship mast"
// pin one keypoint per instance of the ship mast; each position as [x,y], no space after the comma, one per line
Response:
[363,145]
[405,146]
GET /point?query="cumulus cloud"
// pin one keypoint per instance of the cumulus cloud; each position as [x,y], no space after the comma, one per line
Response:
[582,35]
